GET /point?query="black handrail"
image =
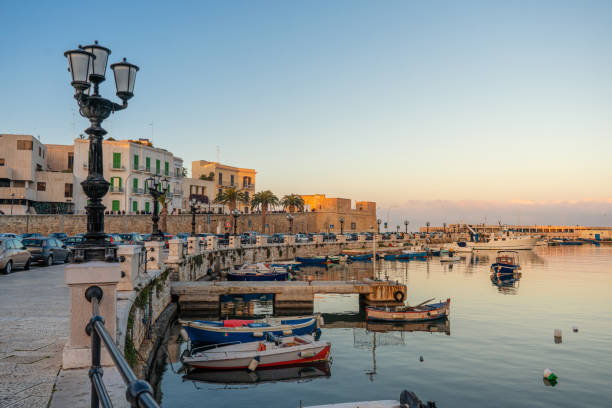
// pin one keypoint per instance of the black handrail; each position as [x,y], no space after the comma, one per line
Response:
[139,393]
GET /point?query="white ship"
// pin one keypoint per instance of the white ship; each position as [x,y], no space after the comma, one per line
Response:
[505,243]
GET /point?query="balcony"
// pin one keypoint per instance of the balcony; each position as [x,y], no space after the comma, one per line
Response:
[120,168]
[116,190]
[147,169]
[137,190]
[139,169]
[177,193]
[248,186]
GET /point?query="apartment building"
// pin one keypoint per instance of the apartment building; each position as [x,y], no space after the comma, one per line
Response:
[225,177]
[29,184]
[127,166]
[204,192]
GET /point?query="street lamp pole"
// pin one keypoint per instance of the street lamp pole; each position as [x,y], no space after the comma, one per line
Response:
[157,186]
[427,223]
[290,218]
[12,199]
[87,66]
[341,225]
[378,222]
[235,214]
[406,224]
[193,204]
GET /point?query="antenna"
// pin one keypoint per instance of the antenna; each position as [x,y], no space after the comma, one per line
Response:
[218,153]
[152,135]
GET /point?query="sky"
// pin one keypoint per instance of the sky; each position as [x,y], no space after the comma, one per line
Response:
[440,111]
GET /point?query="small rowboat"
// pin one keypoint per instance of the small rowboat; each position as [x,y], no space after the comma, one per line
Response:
[506,263]
[417,313]
[284,351]
[314,260]
[415,254]
[230,331]
[258,272]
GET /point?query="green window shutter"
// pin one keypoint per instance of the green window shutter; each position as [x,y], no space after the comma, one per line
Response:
[148,161]
[136,162]
[167,168]
[115,205]
[157,166]
[147,207]
[135,183]
[135,206]
[146,187]
[116,160]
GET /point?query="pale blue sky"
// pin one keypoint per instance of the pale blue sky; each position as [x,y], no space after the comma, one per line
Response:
[388,101]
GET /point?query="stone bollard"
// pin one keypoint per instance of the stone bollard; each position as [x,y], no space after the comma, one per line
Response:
[289,239]
[211,243]
[318,239]
[261,241]
[79,277]
[154,257]
[129,261]
[341,238]
[361,238]
[393,237]
[175,251]
[378,237]
[193,245]
[234,241]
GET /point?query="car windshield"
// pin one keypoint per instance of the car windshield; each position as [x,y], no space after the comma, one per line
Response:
[32,242]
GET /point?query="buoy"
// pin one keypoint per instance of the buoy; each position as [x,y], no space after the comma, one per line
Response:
[558,336]
[421,359]
[550,376]
[184,335]
[575,329]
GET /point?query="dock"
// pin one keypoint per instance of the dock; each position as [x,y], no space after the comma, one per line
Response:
[292,295]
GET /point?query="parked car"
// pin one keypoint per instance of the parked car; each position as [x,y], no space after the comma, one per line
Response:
[278,238]
[223,239]
[31,235]
[59,235]
[132,238]
[114,239]
[13,255]
[47,250]
[72,242]
[9,235]
[301,238]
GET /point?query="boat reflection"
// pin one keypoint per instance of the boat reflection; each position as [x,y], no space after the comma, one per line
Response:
[298,373]
[432,326]
[506,284]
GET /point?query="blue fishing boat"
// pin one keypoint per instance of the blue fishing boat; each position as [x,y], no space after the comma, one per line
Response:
[506,263]
[262,276]
[229,331]
[415,254]
[313,260]
[364,257]
[390,257]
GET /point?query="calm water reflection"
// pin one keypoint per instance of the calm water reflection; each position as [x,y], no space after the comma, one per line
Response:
[494,355]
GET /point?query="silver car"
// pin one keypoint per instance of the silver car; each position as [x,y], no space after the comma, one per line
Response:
[13,254]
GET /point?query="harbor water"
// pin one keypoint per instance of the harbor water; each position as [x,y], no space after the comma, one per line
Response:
[491,352]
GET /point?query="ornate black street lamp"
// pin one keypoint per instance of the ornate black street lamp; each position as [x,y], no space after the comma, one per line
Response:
[397,229]
[406,224]
[193,203]
[427,223]
[378,221]
[87,66]
[444,225]
[157,187]
[290,218]
[235,214]
[341,225]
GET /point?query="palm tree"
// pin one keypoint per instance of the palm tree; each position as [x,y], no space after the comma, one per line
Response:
[263,200]
[231,197]
[293,202]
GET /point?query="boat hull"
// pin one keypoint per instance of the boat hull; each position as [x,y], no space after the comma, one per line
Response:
[312,261]
[519,243]
[434,312]
[257,276]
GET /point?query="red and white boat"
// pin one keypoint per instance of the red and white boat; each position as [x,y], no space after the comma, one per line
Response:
[417,313]
[284,351]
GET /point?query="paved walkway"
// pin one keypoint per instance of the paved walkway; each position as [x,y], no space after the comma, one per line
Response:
[34,326]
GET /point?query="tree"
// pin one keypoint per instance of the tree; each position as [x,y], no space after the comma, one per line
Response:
[210,177]
[230,197]
[293,202]
[263,200]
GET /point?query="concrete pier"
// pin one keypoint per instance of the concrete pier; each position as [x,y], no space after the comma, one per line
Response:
[293,295]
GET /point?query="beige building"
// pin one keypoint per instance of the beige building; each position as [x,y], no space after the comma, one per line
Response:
[28,181]
[225,177]
[203,191]
[357,216]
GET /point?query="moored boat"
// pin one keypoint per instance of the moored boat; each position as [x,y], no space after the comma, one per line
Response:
[450,258]
[415,254]
[506,262]
[507,242]
[212,332]
[258,272]
[282,351]
[312,260]
[417,313]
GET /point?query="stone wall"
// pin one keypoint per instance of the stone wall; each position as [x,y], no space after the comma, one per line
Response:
[277,222]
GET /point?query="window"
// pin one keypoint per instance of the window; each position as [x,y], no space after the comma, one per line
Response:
[148,163]
[246,195]
[115,205]
[116,160]
[166,168]
[136,160]
[41,186]
[24,145]
[135,184]
[5,183]
[68,190]
[147,207]
[353,225]
[70,160]
[232,180]
[39,151]
[1,162]
[220,191]
[220,179]
[19,183]
[135,206]
[157,166]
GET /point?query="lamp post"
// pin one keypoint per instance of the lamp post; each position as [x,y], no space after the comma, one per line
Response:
[444,225]
[397,229]
[193,203]
[378,222]
[87,66]
[406,224]
[290,218]
[427,223]
[341,225]
[157,186]
[235,214]
[12,199]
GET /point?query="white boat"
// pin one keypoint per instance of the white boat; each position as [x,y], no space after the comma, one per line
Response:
[449,258]
[284,351]
[504,243]
[458,247]
[407,399]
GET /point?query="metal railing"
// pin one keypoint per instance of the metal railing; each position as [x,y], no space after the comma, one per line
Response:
[139,393]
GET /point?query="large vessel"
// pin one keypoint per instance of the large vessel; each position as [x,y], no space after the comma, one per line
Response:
[504,243]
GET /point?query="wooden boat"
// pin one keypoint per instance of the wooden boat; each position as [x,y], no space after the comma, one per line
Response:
[364,257]
[421,312]
[224,331]
[506,262]
[407,400]
[337,258]
[313,260]
[294,373]
[281,351]
[450,258]
[430,326]
[415,254]
[258,272]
